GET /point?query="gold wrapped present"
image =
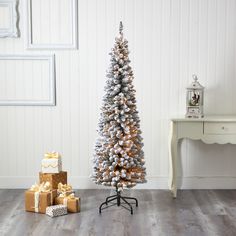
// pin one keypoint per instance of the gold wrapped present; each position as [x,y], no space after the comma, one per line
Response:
[39,197]
[64,188]
[72,202]
[54,179]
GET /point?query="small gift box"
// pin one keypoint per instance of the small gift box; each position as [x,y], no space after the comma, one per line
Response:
[64,188]
[39,197]
[53,179]
[56,210]
[51,163]
[72,202]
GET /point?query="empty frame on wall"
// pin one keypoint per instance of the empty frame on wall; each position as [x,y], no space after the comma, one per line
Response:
[27,80]
[52,24]
[8,18]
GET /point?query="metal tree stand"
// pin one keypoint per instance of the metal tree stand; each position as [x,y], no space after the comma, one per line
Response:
[116,200]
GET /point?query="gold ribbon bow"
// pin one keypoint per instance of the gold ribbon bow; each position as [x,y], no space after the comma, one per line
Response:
[64,188]
[43,187]
[49,155]
[70,196]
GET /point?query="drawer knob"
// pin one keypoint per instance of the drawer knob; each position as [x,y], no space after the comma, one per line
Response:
[223,127]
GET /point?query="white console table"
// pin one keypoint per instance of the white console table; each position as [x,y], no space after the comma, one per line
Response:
[211,129]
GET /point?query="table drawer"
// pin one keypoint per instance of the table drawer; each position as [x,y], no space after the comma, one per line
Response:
[219,128]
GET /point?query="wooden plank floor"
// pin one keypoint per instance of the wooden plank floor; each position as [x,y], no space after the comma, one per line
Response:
[194,212]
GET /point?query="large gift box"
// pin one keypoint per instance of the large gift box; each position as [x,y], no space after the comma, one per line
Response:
[39,197]
[51,163]
[54,179]
[72,202]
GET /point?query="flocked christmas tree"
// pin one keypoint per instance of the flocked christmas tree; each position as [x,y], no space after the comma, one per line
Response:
[119,158]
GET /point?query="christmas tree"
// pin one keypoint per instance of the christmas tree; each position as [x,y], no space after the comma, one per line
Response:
[119,158]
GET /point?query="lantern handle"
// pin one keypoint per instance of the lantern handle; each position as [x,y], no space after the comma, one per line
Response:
[195,77]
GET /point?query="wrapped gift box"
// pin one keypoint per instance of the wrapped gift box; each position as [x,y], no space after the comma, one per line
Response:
[39,197]
[72,202]
[64,189]
[56,210]
[51,163]
[54,179]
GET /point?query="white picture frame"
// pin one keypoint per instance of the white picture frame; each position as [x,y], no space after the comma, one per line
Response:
[12,31]
[52,81]
[42,46]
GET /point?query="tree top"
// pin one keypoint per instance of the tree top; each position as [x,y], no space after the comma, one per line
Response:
[121,27]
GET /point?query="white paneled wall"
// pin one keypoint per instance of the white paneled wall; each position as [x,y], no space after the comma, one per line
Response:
[5,15]
[27,80]
[57,13]
[169,40]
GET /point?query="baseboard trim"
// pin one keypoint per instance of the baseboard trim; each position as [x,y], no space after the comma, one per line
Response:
[78,182]
[155,182]
[209,182]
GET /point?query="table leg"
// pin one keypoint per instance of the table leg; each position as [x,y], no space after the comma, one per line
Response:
[172,158]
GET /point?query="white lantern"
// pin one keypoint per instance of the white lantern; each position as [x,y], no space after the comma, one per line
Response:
[194,99]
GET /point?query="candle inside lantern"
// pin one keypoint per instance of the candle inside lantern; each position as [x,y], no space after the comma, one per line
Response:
[194,99]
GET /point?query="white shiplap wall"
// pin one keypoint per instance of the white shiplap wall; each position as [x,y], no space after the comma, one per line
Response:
[169,41]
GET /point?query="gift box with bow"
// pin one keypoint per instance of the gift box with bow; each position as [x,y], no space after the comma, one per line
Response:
[51,163]
[72,202]
[39,197]
[64,188]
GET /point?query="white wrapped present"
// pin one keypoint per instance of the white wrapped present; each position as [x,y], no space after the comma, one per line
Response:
[56,210]
[51,163]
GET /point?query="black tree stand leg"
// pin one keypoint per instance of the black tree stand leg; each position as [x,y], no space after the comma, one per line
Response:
[133,198]
[116,200]
[110,197]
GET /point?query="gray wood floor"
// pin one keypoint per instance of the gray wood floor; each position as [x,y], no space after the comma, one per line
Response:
[194,212]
